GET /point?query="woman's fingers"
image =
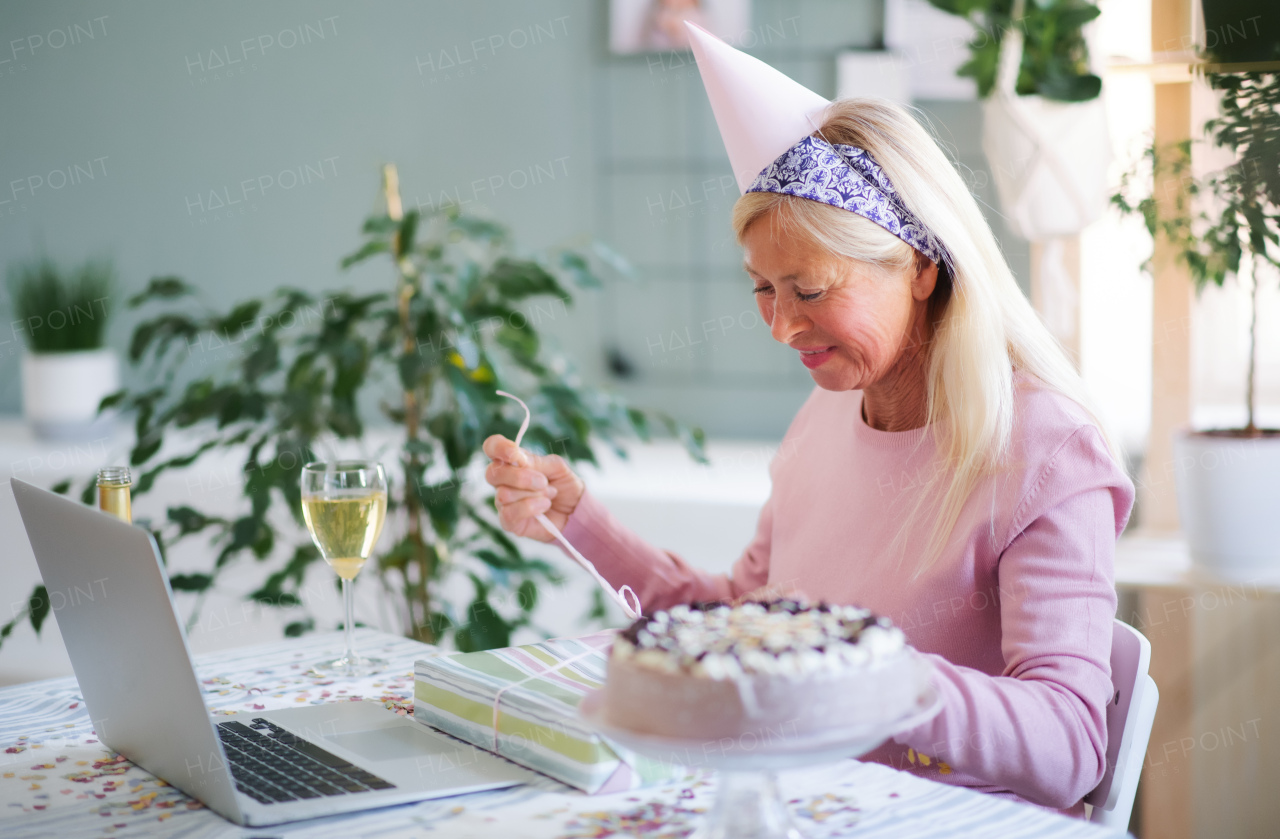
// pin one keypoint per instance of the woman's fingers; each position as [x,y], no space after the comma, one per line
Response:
[507,495]
[520,517]
[555,467]
[500,474]
[499,448]
[527,485]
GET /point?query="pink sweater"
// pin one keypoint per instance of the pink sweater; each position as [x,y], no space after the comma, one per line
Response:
[1016,614]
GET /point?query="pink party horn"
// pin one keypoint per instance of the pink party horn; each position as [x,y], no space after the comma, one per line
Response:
[619,595]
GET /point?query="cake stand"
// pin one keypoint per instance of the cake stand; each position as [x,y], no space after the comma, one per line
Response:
[748,804]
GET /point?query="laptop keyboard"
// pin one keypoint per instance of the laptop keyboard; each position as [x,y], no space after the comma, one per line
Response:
[271,765]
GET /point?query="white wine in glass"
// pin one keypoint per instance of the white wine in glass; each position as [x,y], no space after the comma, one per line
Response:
[344,504]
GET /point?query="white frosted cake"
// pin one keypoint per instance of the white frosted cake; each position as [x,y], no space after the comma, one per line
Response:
[782,668]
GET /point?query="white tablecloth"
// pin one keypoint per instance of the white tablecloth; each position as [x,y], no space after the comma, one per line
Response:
[56,779]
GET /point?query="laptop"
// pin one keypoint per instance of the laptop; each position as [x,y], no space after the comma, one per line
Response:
[130,655]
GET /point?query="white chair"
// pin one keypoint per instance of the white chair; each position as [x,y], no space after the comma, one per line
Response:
[1130,713]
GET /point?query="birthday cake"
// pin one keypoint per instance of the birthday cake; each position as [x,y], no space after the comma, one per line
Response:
[784,668]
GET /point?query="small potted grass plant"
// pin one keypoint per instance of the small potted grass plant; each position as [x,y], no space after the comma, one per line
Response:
[66,371]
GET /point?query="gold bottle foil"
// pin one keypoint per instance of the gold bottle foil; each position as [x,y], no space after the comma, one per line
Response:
[113,492]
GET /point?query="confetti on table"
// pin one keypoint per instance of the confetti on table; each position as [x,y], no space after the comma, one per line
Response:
[88,790]
[653,820]
[825,807]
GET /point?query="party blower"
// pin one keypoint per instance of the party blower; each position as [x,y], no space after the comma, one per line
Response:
[617,595]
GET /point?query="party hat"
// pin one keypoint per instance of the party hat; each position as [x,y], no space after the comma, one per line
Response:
[767,120]
[760,111]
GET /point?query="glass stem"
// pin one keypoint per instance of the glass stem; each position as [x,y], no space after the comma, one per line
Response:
[747,806]
[348,605]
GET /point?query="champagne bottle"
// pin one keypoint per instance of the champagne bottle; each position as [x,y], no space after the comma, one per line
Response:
[113,492]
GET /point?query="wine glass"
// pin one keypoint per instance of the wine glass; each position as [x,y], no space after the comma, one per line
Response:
[345,504]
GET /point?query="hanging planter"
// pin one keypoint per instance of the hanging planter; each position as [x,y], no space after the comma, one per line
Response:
[1044,128]
[1044,124]
[1044,132]
[1048,159]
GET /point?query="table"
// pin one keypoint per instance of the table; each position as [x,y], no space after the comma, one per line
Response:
[56,779]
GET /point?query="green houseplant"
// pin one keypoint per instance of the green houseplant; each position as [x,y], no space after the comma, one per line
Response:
[67,369]
[1223,226]
[428,356]
[1044,129]
[1055,57]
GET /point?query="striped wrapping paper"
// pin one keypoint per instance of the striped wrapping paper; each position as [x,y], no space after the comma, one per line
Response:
[538,724]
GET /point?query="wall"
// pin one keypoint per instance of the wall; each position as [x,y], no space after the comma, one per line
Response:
[238,145]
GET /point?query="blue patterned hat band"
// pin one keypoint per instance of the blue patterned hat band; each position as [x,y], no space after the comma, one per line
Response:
[846,177]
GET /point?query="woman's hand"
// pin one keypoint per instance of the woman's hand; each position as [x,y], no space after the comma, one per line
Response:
[529,484]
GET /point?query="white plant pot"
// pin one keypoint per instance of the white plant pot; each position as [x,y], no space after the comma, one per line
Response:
[1049,162]
[1229,503]
[61,392]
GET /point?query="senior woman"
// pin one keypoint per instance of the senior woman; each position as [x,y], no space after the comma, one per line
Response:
[946,470]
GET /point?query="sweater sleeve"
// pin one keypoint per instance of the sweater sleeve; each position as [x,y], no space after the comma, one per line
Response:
[660,578]
[1039,728]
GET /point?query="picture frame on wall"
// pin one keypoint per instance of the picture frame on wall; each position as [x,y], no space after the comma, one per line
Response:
[639,26]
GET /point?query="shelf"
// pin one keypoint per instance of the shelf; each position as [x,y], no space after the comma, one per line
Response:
[1162,561]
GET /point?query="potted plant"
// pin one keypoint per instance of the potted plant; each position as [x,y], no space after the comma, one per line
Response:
[1226,225]
[66,370]
[1044,127]
[428,355]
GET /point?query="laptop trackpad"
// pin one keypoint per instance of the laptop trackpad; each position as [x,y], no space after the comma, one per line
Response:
[392,743]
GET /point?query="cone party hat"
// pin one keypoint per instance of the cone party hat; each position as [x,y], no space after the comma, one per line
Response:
[760,112]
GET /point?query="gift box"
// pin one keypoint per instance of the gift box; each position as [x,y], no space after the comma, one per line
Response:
[522,703]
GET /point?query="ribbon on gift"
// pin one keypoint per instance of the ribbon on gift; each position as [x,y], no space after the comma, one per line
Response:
[619,596]
[497,697]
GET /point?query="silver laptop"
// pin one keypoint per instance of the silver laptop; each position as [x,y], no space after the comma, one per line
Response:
[130,655]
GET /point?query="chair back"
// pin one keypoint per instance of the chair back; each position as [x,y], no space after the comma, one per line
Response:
[1130,714]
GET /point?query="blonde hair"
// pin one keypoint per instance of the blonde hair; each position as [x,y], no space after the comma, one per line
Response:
[984,328]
